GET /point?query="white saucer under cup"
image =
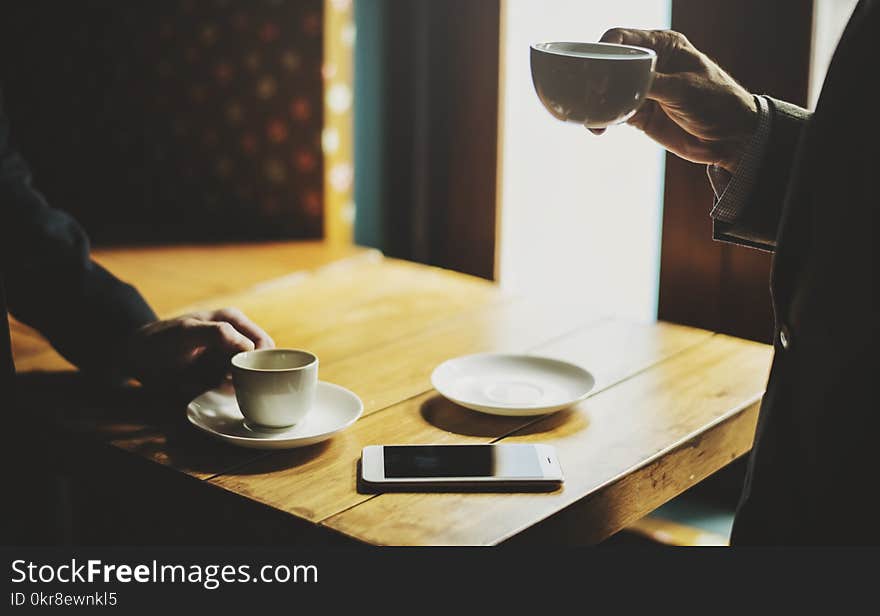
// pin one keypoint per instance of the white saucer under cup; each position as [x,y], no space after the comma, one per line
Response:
[216,412]
[505,384]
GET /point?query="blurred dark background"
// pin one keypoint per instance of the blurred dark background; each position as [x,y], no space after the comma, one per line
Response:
[167,120]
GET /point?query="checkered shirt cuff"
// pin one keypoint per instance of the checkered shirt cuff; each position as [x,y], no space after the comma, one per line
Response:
[732,190]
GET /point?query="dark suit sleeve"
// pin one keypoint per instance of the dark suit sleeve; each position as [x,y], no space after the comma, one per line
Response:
[758,221]
[51,282]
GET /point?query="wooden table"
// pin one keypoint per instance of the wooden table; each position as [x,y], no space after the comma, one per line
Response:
[671,405]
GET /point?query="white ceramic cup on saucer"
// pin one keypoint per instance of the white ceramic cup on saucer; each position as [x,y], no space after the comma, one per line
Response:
[275,388]
[592,84]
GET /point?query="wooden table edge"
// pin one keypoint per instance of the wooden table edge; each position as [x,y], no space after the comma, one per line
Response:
[744,415]
[738,423]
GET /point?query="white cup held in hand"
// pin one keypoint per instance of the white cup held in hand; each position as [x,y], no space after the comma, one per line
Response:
[592,84]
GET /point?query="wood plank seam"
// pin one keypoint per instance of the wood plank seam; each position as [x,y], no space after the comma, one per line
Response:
[666,340]
[591,321]
[583,327]
[685,442]
[681,443]
[260,457]
[615,383]
[695,439]
[746,415]
[538,419]
[681,446]
[440,321]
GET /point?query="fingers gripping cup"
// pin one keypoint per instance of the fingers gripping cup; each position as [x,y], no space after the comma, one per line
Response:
[592,84]
[275,388]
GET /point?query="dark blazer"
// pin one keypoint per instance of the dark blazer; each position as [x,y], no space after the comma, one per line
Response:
[48,280]
[813,471]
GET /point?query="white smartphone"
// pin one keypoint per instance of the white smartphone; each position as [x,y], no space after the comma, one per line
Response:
[475,467]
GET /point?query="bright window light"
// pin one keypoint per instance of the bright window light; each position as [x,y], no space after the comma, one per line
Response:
[579,215]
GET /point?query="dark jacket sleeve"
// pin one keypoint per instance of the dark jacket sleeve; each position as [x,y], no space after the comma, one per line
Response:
[51,282]
[757,223]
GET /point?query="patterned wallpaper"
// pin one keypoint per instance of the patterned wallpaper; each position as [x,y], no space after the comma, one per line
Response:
[185,120]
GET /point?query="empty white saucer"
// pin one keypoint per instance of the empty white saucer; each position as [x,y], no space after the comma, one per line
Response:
[503,384]
[216,412]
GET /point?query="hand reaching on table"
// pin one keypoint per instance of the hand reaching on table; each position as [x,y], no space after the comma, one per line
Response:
[191,352]
[694,108]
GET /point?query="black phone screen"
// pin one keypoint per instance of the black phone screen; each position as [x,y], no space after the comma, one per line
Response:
[420,461]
